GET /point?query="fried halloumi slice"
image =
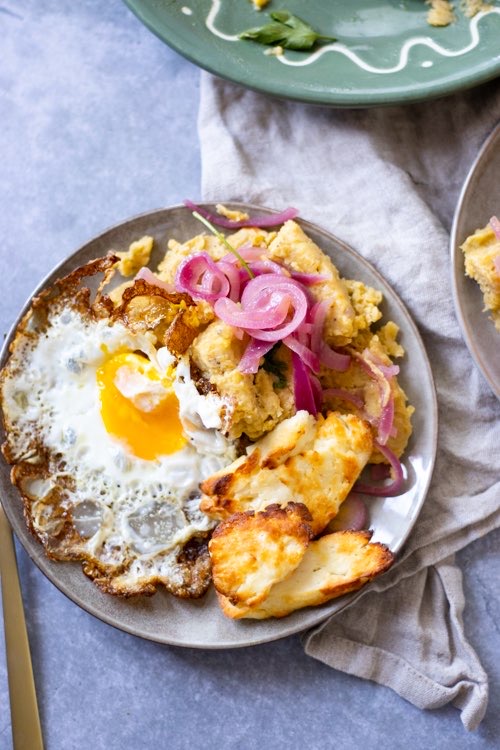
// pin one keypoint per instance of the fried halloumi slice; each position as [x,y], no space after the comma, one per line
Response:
[332,566]
[306,460]
[250,552]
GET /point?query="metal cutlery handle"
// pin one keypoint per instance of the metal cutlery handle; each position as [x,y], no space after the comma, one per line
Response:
[26,731]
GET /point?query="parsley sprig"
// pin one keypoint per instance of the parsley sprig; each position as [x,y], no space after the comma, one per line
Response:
[288,31]
[221,237]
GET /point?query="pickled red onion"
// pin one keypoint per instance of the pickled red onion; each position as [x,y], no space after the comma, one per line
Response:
[386,419]
[248,252]
[232,274]
[261,294]
[150,278]
[344,395]
[495,225]
[318,315]
[352,515]
[334,360]
[385,423]
[328,356]
[496,263]
[388,490]
[271,220]
[317,391]
[254,320]
[306,355]
[267,266]
[249,363]
[302,388]
[379,471]
[309,279]
[202,267]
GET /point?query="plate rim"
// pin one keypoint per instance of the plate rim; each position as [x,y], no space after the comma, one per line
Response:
[36,552]
[339,100]
[457,265]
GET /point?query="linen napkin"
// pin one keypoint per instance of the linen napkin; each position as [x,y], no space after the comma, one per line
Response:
[386,181]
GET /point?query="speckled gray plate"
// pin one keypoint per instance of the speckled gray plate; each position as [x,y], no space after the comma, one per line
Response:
[164,618]
[478,202]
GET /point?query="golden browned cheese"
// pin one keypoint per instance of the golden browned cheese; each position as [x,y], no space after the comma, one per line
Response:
[480,251]
[332,566]
[251,552]
[314,462]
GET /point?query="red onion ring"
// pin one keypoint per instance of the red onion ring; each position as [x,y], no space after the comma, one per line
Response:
[343,395]
[379,472]
[388,490]
[352,515]
[259,267]
[260,291]
[254,221]
[318,315]
[306,355]
[248,252]
[150,278]
[495,225]
[389,371]
[249,363]
[496,263]
[386,396]
[201,266]
[309,279]
[386,422]
[302,389]
[317,391]
[334,360]
[232,274]
[253,320]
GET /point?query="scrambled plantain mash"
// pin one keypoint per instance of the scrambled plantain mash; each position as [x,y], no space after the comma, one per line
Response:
[257,403]
[482,263]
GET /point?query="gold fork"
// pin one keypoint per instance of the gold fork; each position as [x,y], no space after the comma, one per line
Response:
[26,731]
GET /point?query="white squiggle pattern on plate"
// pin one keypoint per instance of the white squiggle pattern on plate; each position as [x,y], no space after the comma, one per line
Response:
[424,41]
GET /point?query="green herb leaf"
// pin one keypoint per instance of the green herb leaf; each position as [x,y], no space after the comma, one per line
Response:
[276,367]
[221,237]
[288,30]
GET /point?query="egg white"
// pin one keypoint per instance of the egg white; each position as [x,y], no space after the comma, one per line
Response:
[124,507]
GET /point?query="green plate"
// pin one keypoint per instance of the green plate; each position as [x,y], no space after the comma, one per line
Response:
[386,52]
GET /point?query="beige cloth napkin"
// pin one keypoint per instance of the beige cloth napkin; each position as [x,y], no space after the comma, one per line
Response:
[386,181]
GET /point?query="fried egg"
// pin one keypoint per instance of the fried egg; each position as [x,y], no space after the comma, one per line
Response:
[95,417]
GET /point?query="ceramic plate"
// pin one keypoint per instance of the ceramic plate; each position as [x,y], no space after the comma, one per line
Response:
[479,201]
[385,51]
[164,618]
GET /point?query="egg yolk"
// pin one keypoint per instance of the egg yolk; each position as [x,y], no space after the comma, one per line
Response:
[139,406]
